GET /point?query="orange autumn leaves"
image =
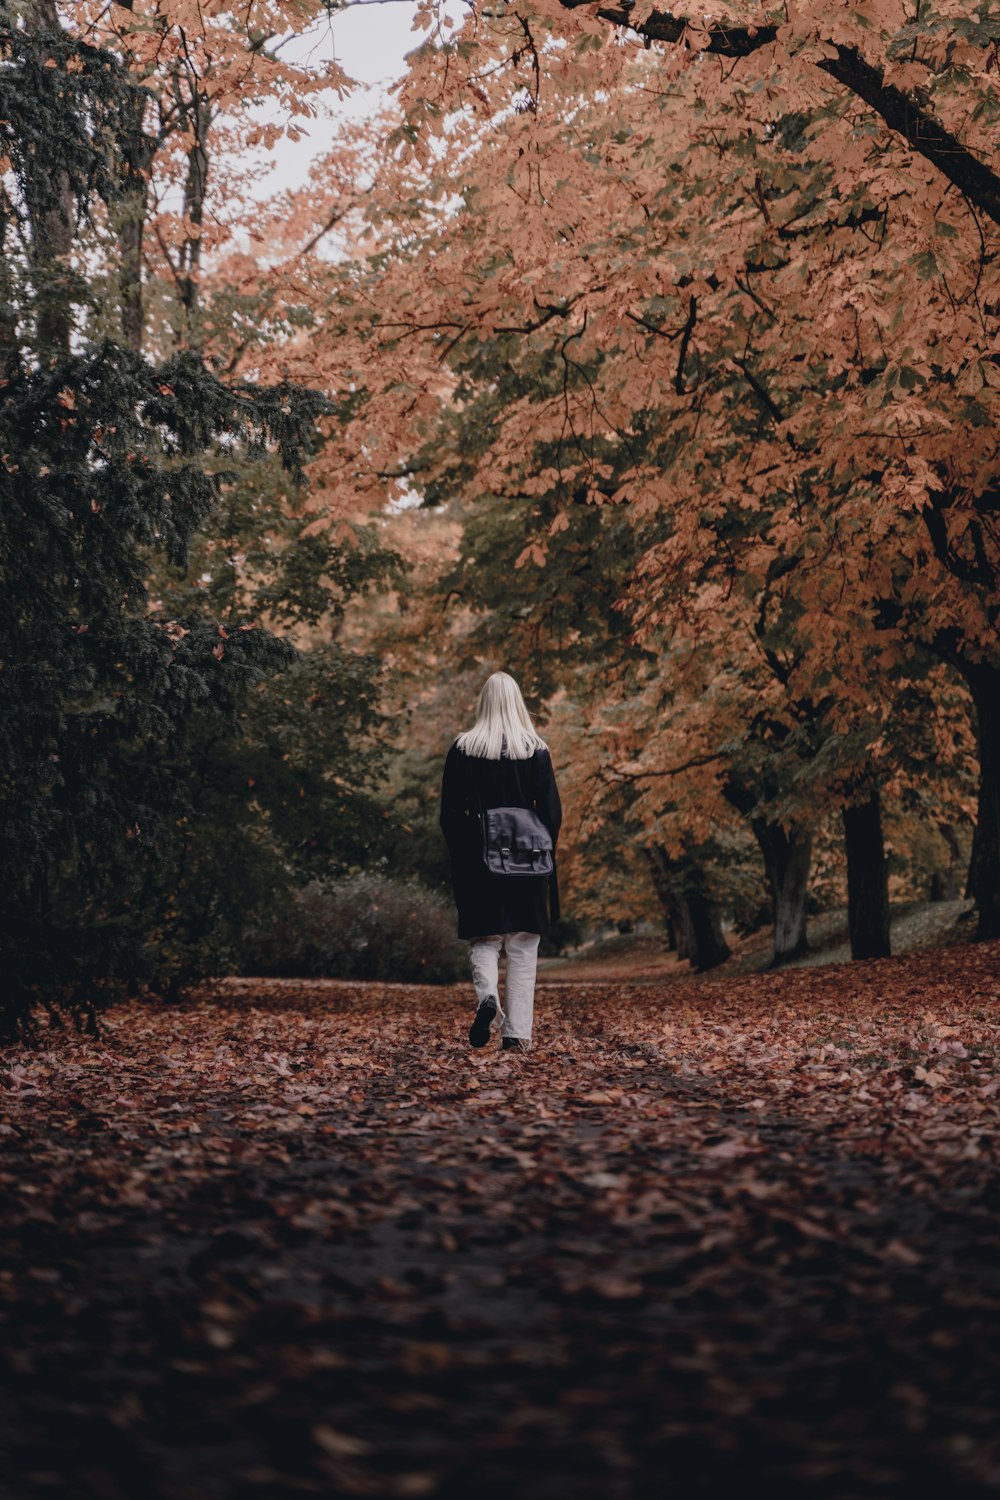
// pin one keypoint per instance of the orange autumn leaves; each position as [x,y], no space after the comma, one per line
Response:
[721,297]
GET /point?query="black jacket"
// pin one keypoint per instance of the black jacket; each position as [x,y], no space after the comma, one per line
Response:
[497,903]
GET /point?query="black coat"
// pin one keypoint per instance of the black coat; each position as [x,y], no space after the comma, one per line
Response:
[497,903]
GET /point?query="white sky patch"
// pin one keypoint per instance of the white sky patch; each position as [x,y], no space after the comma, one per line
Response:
[370,41]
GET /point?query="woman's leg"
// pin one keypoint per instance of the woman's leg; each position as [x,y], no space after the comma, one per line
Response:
[484,954]
[522,962]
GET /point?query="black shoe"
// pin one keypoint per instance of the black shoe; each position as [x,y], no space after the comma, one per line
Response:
[515,1044]
[479,1031]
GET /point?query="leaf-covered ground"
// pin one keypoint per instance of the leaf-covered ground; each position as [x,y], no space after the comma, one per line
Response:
[915,926]
[297,1239]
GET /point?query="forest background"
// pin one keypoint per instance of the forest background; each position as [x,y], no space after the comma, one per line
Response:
[652,358]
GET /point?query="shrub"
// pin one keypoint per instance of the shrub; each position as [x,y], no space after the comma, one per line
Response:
[361,927]
[562,935]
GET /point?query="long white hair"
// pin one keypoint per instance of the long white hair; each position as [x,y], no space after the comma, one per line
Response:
[503,724]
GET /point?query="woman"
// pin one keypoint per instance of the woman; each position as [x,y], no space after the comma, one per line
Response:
[500,762]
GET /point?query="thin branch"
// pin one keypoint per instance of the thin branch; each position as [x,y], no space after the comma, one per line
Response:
[548,311]
[760,391]
[616,772]
[685,341]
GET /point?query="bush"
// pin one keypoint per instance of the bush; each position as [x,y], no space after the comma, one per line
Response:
[361,927]
[562,935]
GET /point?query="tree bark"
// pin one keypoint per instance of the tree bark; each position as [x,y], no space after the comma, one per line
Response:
[689,910]
[984,867]
[709,947]
[52,211]
[132,206]
[867,877]
[946,884]
[918,127]
[787,857]
[673,917]
[199,119]
[10,344]
[677,916]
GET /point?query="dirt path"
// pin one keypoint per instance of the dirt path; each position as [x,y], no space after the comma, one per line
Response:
[728,1232]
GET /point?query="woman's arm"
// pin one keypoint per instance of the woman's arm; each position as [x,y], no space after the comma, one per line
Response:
[547,803]
[452,799]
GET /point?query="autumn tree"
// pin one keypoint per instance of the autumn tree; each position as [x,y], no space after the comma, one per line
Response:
[736,308]
[787,273]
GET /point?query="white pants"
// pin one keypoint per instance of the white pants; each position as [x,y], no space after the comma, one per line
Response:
[519,995]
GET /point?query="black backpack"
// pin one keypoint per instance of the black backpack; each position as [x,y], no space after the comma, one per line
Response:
[515,842]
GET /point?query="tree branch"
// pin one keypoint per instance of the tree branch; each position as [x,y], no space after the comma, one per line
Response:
[547,311]
[696,760]
[685,341]
[979,573]
[760,391]
[920,129]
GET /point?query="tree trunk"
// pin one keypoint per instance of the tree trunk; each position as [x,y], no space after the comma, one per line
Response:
[946,884]
[787,857]
[10,344]
[132,205]
[984,868]
[690,912]
[709,948]
[867,878]
[52,211]
[669,931]
[673,916]
[199,119]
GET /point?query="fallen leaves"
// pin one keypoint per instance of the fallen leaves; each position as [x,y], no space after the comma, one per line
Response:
[297,1238]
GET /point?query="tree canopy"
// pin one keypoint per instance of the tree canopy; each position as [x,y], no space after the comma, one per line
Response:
[688,329]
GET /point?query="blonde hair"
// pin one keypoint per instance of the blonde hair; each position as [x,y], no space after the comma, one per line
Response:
[503,724]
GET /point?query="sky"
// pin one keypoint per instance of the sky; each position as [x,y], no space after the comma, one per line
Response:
[370,40]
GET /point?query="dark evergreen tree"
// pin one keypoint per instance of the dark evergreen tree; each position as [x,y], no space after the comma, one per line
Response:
[123,721]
